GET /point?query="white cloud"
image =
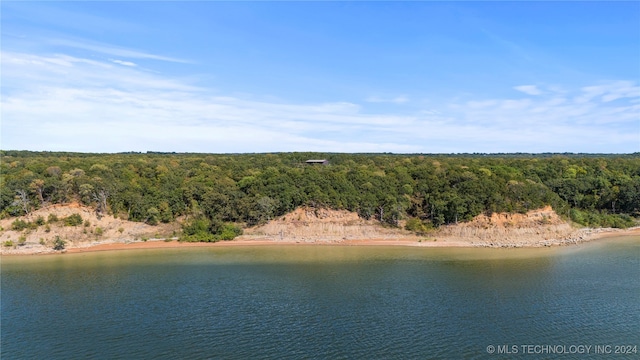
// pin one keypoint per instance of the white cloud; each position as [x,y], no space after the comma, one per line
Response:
[113,50]
[60,102]
[481,104]
[610,91]
[393,100]
[124,63]
[528,89]
[515,104]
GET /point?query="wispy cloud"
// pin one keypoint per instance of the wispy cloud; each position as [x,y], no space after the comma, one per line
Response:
[124,63]
[112,50]
[610,91]
[71,103]
[528,89]
[394,100]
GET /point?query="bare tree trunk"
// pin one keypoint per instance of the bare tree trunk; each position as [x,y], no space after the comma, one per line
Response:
[40,196]
[100,198]
[22,200]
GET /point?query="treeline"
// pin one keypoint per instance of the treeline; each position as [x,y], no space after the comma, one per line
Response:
[214,191]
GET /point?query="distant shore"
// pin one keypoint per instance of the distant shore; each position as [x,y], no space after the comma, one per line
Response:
[582,236]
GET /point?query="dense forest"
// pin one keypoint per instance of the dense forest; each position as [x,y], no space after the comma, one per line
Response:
[218,194]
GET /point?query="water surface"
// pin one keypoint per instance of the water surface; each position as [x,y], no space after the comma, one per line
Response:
[326,302]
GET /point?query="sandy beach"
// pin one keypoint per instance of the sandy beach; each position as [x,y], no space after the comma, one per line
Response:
[595,234]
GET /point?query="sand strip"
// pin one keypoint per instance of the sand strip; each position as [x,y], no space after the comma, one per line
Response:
[603,234]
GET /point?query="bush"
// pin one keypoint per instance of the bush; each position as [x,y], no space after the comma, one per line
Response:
[200,237]
[73,220]
[47,228]
[42,242]
[229,232]
[87,223]
[202,230]
[19,225]
[22,240]
[601,219]
[417,226]
[196,226]
[52,218]
[59,244]
[8,243]
[99,231]
[40,221]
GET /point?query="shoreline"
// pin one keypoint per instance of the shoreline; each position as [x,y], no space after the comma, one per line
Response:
[581,236]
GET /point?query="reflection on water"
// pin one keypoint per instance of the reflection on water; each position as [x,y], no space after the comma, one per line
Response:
[278,254]
[318,301]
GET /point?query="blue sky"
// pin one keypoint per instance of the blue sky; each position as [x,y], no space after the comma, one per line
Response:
[404,77]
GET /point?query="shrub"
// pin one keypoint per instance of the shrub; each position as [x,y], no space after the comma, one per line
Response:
[22,240]
[87,223]
[59,244]
[199,237]
[19,225]
[229,232]
[99,231]
[52,218]
[417,226]
[42,242]
[73,220]
[40,221]
[8,243]
[121,230]
[47,228]
[199,230]
[202,229]
[196,226]
[601,219]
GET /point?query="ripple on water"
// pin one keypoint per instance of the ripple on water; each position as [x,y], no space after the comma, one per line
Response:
[295,303]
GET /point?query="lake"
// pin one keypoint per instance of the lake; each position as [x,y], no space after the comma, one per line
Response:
[325,302]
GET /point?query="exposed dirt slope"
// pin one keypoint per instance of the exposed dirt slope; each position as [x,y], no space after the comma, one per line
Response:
[542,227]
[537,227]
[323,225]
[113,230]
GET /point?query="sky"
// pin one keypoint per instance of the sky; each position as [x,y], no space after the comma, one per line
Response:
[244,77]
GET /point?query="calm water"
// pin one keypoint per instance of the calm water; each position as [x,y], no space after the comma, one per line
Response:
[322,303]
